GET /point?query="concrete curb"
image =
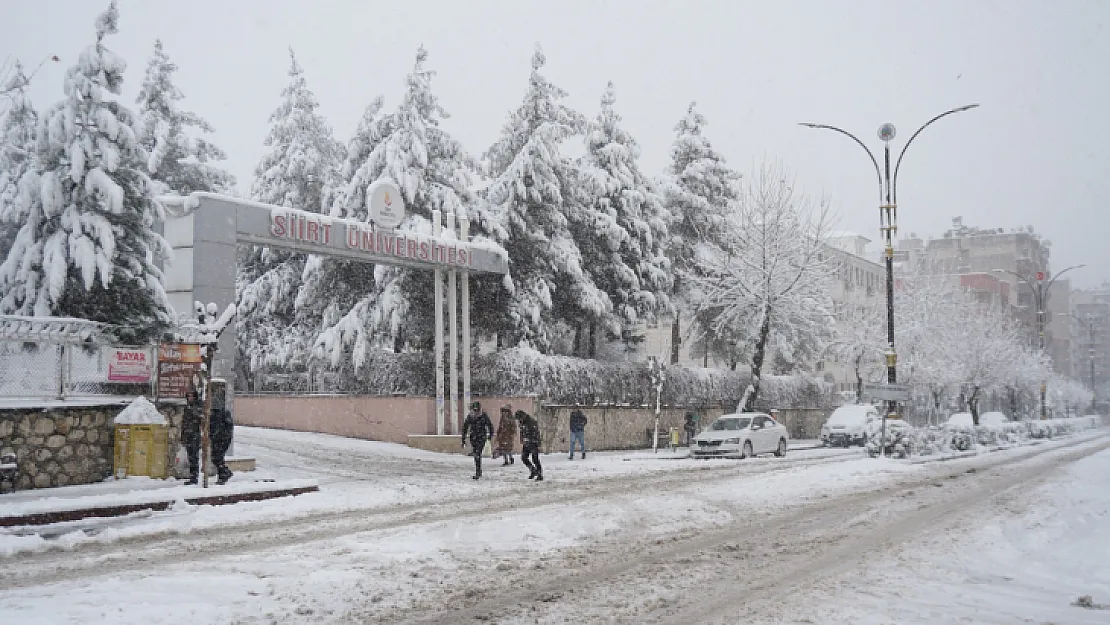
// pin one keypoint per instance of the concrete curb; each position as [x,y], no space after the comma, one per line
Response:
[47,518]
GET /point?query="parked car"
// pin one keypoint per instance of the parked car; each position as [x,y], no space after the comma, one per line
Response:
[849,425]
[741,435]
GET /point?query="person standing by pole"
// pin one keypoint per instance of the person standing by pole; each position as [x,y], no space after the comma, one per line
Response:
[530,439]
[480,429]
[578,423]
[190,433]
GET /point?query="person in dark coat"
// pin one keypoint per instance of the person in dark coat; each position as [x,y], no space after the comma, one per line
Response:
[506,436]
[221,429]
[578,432]
[691,428]
[190,432]
[530,440]
[480,429]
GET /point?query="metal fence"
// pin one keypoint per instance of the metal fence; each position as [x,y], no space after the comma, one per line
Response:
[60,358]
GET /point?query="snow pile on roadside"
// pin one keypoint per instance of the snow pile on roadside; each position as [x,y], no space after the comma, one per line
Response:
[950,439]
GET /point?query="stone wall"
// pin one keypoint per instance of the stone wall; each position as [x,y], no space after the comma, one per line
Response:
[62,445]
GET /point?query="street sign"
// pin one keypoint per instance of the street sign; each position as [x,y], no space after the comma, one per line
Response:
[888,392]
[1040,276]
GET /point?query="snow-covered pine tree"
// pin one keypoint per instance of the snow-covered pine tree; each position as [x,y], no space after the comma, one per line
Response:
[699,189]
[433,171]
[179,160]
[620,226]
[531,188]
[302,165]
[86,248]
[17,147]
[336,289]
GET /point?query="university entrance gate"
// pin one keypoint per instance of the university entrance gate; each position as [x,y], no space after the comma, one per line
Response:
[204,228]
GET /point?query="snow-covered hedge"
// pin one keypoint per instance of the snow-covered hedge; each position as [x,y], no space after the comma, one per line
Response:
[558,379]
[946,439]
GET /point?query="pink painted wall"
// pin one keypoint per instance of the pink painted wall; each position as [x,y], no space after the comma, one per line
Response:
[369,417]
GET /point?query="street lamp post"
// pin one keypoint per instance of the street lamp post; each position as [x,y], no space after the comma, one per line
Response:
[888,226]
[1040,292]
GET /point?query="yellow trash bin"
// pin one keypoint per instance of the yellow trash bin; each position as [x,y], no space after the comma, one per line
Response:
[141,441]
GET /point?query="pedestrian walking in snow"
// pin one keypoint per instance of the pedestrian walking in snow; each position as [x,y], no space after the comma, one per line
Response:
[506,435]
[578,432]
[221,428]
[190,432]
[480,429]
[530,440]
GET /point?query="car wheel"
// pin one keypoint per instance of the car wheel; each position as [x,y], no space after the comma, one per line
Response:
[781,451]
[747,452]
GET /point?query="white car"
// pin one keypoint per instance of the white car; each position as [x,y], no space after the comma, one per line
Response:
[740,435]
[850,425]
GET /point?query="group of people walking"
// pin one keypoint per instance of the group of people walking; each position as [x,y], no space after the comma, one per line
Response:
[478,429]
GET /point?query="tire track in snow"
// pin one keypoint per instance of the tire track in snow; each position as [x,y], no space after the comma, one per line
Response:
[151,551]
[691,563]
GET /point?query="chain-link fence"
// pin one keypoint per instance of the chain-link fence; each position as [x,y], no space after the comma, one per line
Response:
[46,369]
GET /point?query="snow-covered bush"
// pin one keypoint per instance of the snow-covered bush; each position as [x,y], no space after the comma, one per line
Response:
[561,379]
[957,437]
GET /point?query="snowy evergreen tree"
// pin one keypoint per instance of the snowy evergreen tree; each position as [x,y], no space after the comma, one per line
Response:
[434,172]
[17,147]
[180,161]
[87,248]
[335,289]
[532,187]
[302,165]
[699,189]
[621,228]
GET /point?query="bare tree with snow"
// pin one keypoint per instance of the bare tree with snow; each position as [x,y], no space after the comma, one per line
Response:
[860,339]
[770,288]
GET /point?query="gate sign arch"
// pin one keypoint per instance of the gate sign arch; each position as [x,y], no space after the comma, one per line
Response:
[204,229]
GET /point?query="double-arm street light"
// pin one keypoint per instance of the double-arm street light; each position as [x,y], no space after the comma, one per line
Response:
[1040,290]
[888,223]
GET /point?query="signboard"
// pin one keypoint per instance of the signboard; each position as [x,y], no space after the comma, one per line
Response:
[888,392]
[130,366]
[387,207]
[177,363]
[314,233]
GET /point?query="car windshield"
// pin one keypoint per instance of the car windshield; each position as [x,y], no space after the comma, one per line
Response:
[850,415]
[729,424]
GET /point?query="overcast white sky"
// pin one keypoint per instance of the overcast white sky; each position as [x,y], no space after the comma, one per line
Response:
[1033,154]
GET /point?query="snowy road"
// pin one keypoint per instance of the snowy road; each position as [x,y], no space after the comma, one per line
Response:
[401,536]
